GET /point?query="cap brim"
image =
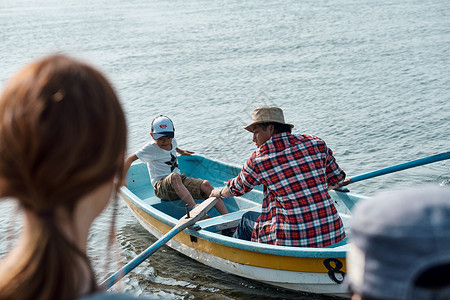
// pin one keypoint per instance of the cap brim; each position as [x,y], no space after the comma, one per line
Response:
[158,135]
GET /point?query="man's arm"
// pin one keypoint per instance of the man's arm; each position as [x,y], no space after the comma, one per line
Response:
[242,183]
[334,173]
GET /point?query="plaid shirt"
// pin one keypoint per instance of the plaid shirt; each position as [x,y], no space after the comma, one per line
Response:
[297,209]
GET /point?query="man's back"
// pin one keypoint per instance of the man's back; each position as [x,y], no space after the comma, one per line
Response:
[297,209]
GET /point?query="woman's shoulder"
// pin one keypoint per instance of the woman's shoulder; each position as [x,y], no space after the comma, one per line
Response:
[110,296]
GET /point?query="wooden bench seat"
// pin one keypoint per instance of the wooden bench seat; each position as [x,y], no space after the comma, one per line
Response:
[222,222]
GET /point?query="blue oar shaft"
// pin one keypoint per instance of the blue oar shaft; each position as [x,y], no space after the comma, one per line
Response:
[411,164]
[183,223]
[138,259]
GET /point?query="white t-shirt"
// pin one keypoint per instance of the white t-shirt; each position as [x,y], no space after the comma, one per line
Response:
[160,162]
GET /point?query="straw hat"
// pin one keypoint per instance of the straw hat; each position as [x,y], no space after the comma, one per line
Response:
[266,114]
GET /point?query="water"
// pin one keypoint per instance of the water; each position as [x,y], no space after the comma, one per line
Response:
[371,78]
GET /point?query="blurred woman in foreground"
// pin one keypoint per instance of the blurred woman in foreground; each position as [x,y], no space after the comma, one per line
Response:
[62,146]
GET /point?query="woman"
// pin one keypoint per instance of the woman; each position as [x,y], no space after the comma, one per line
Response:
[62,146]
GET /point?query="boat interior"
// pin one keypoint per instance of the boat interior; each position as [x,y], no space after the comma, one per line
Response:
[138,182]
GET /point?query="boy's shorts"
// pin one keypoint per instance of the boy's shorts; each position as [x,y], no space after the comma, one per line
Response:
[165,191]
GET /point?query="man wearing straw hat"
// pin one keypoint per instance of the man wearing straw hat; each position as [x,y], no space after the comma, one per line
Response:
[296,172]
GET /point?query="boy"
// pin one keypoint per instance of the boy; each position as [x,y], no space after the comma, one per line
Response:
[161,158]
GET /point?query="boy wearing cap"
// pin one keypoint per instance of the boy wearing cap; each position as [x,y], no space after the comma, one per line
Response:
[166,178]
[296,172]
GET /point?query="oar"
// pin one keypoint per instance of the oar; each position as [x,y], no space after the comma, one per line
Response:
[400,167]
[187,220]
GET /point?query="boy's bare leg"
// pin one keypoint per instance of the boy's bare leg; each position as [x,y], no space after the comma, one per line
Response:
[206,188]
[182,191]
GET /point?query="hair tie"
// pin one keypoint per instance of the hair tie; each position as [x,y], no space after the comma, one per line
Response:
[58,96]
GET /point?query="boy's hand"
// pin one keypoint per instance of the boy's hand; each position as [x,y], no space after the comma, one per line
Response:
[185,152]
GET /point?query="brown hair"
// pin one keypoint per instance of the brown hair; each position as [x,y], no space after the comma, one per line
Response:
[277,127]
[62,135]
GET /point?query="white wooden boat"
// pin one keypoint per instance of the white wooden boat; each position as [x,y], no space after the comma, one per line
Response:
[313,270]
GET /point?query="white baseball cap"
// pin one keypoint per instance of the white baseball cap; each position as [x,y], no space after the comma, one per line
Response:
[162,126]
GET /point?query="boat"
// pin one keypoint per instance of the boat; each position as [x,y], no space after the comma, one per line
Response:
[311,270]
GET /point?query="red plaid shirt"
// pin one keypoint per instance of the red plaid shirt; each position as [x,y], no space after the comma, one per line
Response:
[297,209]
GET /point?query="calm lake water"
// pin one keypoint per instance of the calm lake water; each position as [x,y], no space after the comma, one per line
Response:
[372,78]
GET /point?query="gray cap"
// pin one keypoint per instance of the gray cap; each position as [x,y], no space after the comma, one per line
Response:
[395,237]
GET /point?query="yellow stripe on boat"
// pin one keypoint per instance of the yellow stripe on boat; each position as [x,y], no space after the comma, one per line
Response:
[263,260]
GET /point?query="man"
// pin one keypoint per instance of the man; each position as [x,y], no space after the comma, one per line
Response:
[296,172]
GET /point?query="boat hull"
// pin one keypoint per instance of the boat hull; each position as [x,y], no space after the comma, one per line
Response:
[313,270]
